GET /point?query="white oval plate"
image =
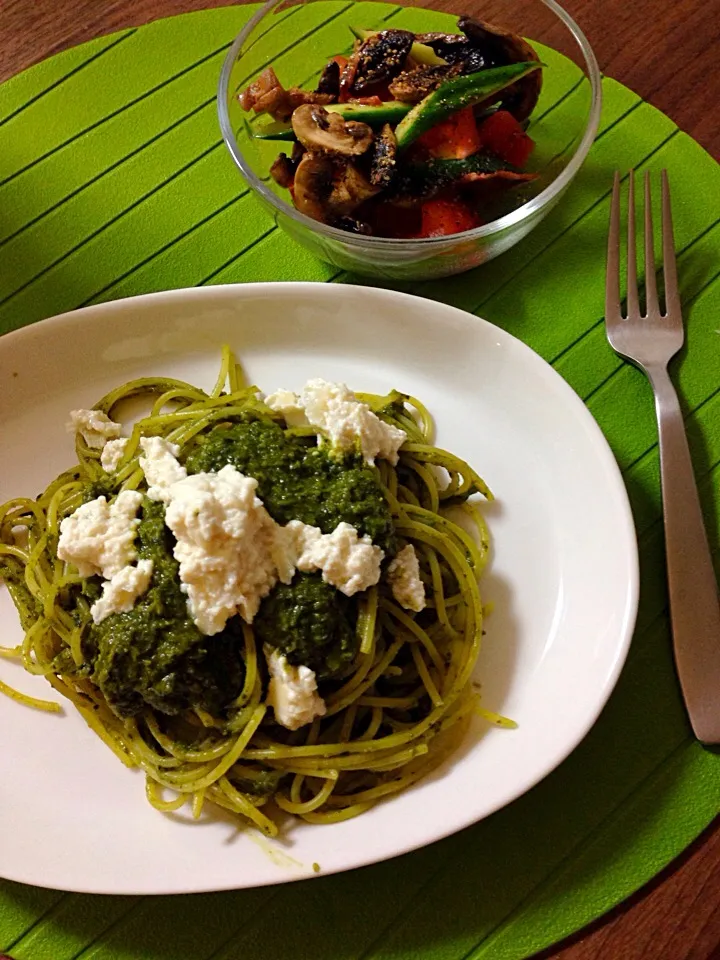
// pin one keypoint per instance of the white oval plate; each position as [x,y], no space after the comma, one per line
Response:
[563,579]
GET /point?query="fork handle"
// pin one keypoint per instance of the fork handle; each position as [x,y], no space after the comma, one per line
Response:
[694,606]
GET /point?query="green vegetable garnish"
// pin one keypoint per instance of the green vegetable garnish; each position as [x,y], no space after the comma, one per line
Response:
[455,94]
[421,178]
[392,111]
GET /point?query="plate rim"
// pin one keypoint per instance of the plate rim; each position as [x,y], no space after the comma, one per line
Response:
[600,444]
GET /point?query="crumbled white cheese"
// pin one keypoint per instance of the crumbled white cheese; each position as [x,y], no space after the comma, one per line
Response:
[292,692]
[230,550]
[287,403]
[120,593]
[112,454]
[348,423]
[99,537]
[160,466]
[442,477]
[226,543]
[94,426]
[404,578]
[348,562]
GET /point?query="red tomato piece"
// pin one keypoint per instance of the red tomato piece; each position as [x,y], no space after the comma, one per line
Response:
[348,69]
[442,217]
[454,138]
[502,134]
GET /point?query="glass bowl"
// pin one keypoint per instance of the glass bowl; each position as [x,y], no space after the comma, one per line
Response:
[299,39]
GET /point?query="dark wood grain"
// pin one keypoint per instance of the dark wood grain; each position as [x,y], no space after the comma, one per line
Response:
[666,52]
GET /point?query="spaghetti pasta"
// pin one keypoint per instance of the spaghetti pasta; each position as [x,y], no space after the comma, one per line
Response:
[396,702]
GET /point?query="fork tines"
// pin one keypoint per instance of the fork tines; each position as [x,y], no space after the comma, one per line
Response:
[613,309]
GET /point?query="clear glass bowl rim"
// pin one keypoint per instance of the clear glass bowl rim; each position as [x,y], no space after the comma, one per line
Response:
[427,244]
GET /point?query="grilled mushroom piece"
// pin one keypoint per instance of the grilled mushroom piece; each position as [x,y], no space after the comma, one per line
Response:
[485,45]
[283,170]
[321,131]
[412,86]
[329,82]
[329,187]
[313,184]
[350,189]
[266,95]
[521,97]
[381,57]
[382,165]
[461,51]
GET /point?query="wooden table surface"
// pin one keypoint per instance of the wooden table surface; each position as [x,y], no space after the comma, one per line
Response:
[666,52]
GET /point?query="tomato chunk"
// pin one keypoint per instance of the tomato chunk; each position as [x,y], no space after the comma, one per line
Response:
[442,217]
[502,134]
[454,138]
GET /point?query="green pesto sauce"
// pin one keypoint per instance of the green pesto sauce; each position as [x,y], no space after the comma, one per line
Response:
[261,783]
[310,622]
[297,480]
[154,654]
[12,574]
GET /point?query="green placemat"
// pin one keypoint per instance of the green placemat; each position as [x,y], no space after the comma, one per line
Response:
[113,182]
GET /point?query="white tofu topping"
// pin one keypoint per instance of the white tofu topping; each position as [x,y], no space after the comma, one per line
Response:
[225,545]
[99,537]
[348,562]
[292,692]
[120,593]
[287,403]
[94,427]
[404,578]
[348,423]
[160,466]
[112,454]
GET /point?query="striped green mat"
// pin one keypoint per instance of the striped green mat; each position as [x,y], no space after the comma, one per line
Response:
[113,182]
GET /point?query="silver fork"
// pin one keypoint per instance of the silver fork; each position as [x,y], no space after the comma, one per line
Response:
[650,341]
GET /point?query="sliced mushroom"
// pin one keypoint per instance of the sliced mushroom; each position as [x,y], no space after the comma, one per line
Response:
[412,86]
[520,98]
[319,130]
[382,165]
[452,47]
[329,187]
[381,57]
[481,33]
[314,184]
[350,189]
